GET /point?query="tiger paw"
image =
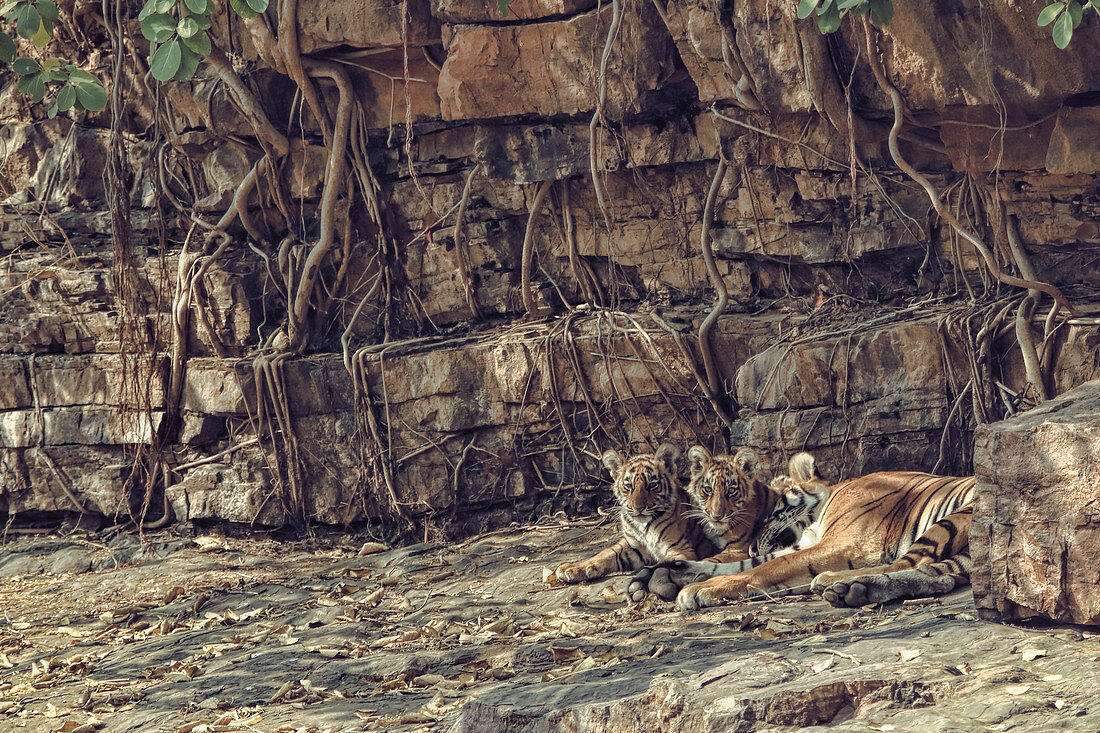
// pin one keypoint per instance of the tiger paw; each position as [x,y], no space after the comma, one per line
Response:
[694,596]
[571,572]
[639,585]
[851,593]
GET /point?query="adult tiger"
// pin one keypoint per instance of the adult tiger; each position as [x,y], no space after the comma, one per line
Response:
[653,519]
[866,540]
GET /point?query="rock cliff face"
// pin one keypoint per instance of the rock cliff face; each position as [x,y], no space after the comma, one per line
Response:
[859,326]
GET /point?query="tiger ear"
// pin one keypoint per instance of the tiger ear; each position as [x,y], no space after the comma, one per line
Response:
[749,463]
[612,461]
[803,468]
[668,455]
[698,458]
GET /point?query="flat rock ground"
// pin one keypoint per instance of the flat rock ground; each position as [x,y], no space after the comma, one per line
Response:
[205,633]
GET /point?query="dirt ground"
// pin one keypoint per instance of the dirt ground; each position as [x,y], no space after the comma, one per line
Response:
[207,633]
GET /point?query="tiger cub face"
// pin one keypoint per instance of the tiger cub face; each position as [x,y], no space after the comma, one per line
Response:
[726,489]
[645,485]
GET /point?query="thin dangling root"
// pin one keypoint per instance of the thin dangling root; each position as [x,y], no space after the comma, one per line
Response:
[895,99]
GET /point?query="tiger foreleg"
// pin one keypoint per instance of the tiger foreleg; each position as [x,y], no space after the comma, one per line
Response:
[930,579]
[783,573]
[620,556]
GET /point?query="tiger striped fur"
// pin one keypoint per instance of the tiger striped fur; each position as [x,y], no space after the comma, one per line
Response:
[872,539]
[652,507]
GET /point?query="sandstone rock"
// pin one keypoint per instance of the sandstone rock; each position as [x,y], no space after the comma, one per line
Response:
[885,362]
[1071,142]
[489,72]
[1037,518]
[480,11]
[325,24]
[201,492]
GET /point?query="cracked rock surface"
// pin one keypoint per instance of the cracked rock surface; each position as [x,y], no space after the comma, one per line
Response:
[337,633]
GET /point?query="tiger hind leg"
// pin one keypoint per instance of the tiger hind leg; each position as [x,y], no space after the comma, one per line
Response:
[929,579]
[937,562]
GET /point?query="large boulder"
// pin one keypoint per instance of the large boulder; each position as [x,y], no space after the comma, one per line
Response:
[1037,519]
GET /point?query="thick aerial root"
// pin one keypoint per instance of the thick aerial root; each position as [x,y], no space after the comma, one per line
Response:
[714,382]
[529,304]
[334,179]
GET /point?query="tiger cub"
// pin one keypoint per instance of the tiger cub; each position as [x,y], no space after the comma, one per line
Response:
[870,539]
[749,518]
[744,513]
[652,516]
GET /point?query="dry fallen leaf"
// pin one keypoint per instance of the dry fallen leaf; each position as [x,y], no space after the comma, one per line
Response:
[1017,689]
[824,664]
[610,595]
[1029,655]
[370,548]
[908,655]
[550,578]
[372,598]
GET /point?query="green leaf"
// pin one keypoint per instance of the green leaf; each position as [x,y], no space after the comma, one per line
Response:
[92,97]
[502,8]
[8,7]
[189,63]
[861,9]
[163,6]
[198,7]
[824,7]
[805,7]
[34,86]
[43,36]
[187,27]
[66,98]
[52,111]
[158,27]
[48,10]
[846,4]
[147,9]
[241,9]
[1096,5]
[58,75]
[199,43]
[258,6]
[1049,13]
[24,66]
[882,12]
[203,22]
[27,20]
[79,76]
[166,61]
[829,21]
[7,48]
[1075,12]
[1063,30]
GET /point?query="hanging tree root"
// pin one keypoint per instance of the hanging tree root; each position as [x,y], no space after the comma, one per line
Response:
[597,116]
[533,309]
[334,176]
[462,259]
[582,272]
[713,386]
